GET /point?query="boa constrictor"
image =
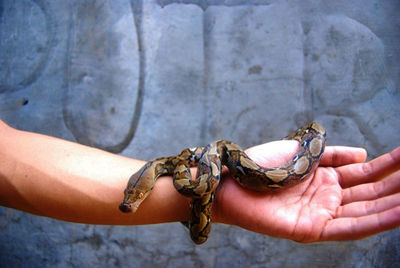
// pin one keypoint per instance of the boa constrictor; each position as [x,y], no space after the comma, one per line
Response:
[209,160]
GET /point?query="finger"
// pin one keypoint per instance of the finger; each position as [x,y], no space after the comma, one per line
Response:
[279,152]
[273,154]
[335,156]
[359,227]
[374,170]
[364,208]
[374,190]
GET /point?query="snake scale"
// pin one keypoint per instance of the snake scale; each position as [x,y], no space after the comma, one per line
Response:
[209,160]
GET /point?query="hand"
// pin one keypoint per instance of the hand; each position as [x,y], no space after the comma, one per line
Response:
[345,198]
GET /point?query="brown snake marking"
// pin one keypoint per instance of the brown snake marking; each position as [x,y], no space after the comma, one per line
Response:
[209,160]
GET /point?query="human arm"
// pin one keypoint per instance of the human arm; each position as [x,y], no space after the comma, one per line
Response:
[346,199]
[56,178]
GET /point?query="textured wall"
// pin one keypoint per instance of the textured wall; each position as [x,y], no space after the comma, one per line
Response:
[149,78]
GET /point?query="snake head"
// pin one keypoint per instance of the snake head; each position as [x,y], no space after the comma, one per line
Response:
[132,199]
[138,188]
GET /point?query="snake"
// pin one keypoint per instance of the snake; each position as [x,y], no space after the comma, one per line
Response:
[209,160]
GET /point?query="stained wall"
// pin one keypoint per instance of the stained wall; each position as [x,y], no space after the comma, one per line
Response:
[149,78]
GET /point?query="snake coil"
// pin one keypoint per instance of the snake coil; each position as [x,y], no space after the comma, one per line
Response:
[209,160]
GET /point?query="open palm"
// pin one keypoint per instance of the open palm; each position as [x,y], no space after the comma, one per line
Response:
[344,199]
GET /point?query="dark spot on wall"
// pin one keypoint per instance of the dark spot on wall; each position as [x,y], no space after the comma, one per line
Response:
[256,69]
[23,102]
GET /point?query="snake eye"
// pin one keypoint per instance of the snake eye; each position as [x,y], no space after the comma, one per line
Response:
[140,195]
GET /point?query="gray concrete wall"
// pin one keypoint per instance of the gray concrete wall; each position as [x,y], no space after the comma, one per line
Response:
[149,78]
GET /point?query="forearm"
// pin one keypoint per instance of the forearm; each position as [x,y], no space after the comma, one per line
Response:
[68,181]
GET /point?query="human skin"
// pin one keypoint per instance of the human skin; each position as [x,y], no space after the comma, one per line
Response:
[344,199]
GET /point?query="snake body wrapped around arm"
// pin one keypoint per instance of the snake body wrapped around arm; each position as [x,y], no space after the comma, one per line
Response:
[209,160]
